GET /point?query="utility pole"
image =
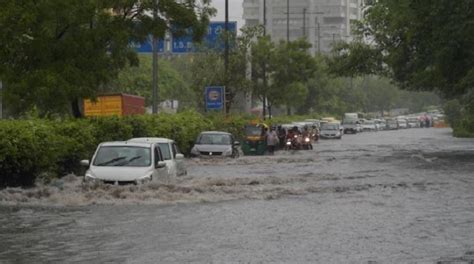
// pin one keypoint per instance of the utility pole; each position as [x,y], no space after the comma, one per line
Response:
[226,41]
[264,17]
[264,70]
[1,100]
[319,37]
[304,22]
[155,64]
[226,55]
[287,21]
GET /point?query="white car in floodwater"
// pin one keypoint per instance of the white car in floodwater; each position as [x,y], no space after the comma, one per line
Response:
[172,156]
[215,144]
[125,162]
[369,125]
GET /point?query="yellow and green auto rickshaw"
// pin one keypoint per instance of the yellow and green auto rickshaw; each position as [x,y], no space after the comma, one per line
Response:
[254,142]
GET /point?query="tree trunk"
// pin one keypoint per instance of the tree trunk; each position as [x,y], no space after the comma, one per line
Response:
[76,109]
[288,110]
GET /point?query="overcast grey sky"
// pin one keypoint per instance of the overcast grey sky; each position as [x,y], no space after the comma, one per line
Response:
[235,11]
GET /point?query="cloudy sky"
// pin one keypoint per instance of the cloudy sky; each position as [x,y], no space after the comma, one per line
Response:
[235,11]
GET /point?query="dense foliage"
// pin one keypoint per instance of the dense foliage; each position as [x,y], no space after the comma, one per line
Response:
[54,53]
[421,45]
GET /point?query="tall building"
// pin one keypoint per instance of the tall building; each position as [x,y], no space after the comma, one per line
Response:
[322,22]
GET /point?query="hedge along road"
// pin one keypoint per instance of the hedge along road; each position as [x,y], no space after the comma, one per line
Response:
[387,197]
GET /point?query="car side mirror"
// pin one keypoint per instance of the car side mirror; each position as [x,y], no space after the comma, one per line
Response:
[179,156]
[236,143]
[85,163]
[160,164]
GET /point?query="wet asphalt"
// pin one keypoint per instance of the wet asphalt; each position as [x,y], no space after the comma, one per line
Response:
[383,197]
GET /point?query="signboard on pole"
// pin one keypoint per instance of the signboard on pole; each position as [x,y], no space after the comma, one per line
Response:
[212,40]
[215,98]
[147,46]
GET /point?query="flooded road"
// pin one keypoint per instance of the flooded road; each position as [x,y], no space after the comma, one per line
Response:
[386,197]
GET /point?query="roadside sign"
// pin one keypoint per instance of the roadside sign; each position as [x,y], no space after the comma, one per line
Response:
[215,96]
[184,44]
[147,46]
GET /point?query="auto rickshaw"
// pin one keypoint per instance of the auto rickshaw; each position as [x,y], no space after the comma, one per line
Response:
[255,139]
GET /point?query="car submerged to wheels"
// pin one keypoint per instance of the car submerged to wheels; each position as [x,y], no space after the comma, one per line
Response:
[172,156]
[215,144]
[126,163]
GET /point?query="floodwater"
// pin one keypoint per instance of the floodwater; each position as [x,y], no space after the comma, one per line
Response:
[386,197]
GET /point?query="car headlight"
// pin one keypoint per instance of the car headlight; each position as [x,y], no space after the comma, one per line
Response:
[144,179]
[228,152]
[90,178]
[194,151]
[306,140]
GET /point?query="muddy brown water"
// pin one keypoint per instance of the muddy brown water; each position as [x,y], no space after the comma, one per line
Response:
[387,197]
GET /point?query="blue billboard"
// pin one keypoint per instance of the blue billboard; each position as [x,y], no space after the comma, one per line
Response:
[146,46]
[215,97]
[184,44]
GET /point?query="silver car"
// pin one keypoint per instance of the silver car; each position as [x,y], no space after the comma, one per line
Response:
[331,130]
[215,144]
[126,163]
[172,156]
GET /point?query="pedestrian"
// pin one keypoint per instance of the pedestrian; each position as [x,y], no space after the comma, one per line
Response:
[427,121]
[281,137]
[272,141]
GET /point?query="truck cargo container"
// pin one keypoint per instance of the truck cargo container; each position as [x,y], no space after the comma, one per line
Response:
[114,105]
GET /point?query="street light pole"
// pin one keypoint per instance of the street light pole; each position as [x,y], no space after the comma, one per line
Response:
[319,37]
[264,70]
[155,64]
[264,17]
[287,20]
[226,44]
[1,100]
[304,22]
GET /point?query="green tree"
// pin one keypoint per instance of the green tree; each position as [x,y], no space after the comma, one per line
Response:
[261,53]
[422,45]
[138,80]
[207,68]
[55,52]
[292,66]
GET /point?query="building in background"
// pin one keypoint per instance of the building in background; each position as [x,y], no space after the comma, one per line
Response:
[322,22]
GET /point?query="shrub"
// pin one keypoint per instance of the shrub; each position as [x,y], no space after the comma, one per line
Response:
[27,149]
[78,141]
[37,147]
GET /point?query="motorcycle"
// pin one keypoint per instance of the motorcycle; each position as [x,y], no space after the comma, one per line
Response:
[293,143]
[315,136]
[307,143]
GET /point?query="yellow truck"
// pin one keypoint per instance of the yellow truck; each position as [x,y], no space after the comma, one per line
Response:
[114,105]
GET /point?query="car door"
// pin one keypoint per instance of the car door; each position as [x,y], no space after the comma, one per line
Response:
[168,157]
[180,168]
[158,173]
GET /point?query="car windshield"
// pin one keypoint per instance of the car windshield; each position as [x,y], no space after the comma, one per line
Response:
[350,122]
[330,127]
[369,122]
[253,131]
[165,150]
[127,156]
[214,139]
